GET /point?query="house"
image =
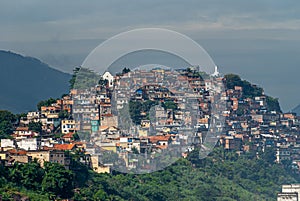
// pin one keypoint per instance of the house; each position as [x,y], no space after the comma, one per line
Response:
[24,132]
[109,132]
[65,147]
[65,103]
[145,123]
[143,132]
[232,143]
[287,196]
[19,156]
[97,166]
[67,126]
[282,154]
[50,111]
[54,156]
[160,140]
[257,117]
[126,143]
[68,137]
[28,144]
[109,120]
[7,144]
[108,145]
[289,193]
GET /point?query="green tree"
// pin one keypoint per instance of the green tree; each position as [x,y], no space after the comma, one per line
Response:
[232,80]
[170,105]
[6,123]
[100,195]
[249,90]
[63,114]
[125,70]
[135,109]
[58,180]
[30,175]
[35,126]
[269,155]
[102,82]
[273,104]
[47,102]
[83,78]
[73,79]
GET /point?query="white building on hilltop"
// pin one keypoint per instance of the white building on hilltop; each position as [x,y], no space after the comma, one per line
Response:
[109,77]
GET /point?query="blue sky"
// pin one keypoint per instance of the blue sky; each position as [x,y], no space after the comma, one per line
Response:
[258,39]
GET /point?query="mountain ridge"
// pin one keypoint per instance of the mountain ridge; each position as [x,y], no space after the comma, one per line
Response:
[24,81]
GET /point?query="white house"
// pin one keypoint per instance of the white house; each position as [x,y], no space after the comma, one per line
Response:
[7,143]
[28,144]
[67,126]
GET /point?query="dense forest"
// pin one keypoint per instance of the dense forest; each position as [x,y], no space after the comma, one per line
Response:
[221,176]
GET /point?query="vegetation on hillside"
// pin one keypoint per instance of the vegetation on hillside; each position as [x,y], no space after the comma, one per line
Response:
[83,78]
[251,91]
[6,123]
[223,175]
[46,103]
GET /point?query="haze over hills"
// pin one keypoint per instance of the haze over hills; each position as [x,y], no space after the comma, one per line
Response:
[297,109]
[24,81]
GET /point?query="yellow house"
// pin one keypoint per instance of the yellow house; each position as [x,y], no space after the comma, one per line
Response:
[3,155]
[166,129]
[109,146]
[97,167]
[54,156]
[145,124]
[143,132]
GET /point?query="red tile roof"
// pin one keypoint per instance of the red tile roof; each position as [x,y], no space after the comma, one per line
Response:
[17,152]
[22,129]
[64,146]
[154,139]
[68,135]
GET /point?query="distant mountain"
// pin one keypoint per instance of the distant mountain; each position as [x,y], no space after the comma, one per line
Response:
[24,81]
[297,110]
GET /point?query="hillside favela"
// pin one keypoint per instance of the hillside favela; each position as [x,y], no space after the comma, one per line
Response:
[86,144]
[149,100]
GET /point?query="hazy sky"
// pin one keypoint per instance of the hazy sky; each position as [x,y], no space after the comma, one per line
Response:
[258,39]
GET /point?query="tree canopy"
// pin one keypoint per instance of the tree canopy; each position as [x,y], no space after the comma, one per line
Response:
[35,126]
[6,123]
[46,103]
[223,175]
[250,90]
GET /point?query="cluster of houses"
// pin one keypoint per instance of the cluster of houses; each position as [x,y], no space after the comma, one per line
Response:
[146,112]
[250,126]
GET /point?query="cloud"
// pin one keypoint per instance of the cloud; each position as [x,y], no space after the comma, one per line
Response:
[64,20]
